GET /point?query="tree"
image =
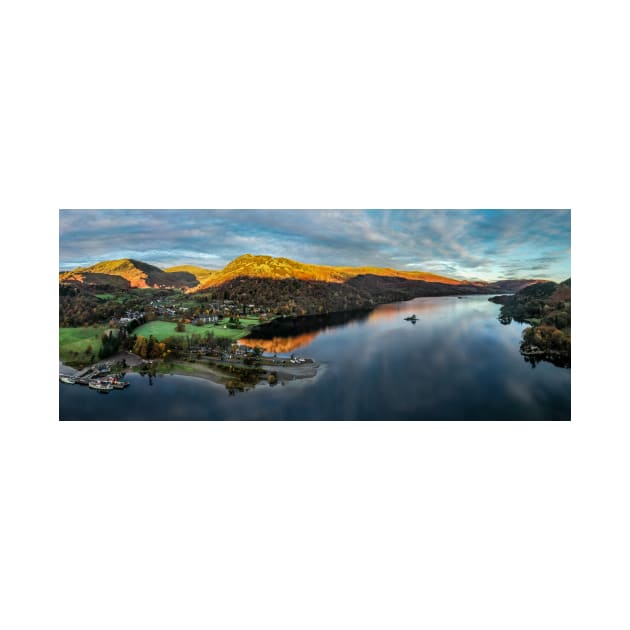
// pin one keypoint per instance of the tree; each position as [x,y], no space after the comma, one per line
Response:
[151,341]
[109,345]
[140,347]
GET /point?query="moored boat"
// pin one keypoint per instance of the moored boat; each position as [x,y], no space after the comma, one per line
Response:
[100,386]
[67,379]
[115,382]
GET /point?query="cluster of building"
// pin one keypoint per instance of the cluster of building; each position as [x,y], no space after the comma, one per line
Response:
[205,319]
[211,312]
[129,317]
[234,353]
[164,310]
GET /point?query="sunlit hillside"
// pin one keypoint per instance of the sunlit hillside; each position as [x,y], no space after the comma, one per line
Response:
[130,273]
[285,268]
[137,273]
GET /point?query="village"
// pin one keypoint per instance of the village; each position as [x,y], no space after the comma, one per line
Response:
[173,308]
[170,334]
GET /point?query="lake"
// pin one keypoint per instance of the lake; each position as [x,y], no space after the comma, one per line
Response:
[457,362]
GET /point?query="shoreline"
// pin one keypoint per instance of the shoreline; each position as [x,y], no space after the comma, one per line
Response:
[207,372]
[200,369]
[283,373]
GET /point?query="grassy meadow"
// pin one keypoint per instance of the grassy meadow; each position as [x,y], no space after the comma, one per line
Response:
[73,343]
[161,330]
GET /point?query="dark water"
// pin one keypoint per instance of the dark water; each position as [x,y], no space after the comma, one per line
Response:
[456,363]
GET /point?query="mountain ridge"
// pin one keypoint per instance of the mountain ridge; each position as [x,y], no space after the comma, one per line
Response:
[281,268]
[132,273]
[136,273]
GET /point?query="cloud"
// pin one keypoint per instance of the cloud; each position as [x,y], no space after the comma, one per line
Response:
[481,244]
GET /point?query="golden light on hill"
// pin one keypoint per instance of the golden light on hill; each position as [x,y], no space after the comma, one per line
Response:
[285,268]
[193,279]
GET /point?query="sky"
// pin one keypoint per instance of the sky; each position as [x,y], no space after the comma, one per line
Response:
[465,244]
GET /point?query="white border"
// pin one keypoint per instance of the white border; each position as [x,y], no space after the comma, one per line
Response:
[315,525]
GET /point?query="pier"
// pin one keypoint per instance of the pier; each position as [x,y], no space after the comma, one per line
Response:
[100,372]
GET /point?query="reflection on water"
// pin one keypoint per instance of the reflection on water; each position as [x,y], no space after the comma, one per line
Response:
[457,363]
[290,333]
[401,309]
[280,344]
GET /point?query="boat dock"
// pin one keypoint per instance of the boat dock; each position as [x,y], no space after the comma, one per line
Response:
[96,374]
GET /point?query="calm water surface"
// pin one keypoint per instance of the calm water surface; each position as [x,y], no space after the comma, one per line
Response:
[456,363]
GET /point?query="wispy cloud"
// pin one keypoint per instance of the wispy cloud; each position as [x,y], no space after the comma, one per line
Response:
[479,244]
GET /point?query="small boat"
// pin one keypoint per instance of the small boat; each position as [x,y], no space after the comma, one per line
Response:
[101,386]
[413,318]
[67,379]
[116,384]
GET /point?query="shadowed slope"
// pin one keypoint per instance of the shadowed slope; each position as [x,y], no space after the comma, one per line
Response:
[200,273]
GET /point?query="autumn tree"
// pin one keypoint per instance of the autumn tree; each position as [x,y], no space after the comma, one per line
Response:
[140,347]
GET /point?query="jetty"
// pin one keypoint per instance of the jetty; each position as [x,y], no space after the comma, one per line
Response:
[98,377]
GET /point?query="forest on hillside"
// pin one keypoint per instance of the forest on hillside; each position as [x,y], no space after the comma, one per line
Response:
[546,307]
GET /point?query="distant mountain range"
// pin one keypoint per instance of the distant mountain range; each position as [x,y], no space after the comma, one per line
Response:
[130,273]
[281,285]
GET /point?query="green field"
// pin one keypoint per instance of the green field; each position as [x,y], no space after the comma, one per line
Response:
[74,341]
[161,330]
[105,296]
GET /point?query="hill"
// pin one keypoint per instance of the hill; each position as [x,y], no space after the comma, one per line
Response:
[136,273]
[546,306]
[93,278]
[283,284]
[512,286]
[251,266]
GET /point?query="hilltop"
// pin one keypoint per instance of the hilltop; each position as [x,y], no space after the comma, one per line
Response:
[307,288]
[251,266]
[130,273]
[133,273]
